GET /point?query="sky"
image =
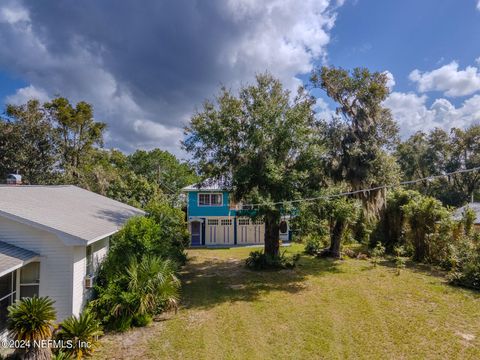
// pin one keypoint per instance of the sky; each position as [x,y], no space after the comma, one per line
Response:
[147,66]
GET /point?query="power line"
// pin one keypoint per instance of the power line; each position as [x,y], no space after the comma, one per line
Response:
[346,193]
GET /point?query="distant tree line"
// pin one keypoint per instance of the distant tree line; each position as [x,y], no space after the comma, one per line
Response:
[61,143]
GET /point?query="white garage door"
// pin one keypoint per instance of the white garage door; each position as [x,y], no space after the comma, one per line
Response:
[250,232]
[219,231]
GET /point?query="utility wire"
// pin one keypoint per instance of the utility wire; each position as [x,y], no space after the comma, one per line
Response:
[409,182]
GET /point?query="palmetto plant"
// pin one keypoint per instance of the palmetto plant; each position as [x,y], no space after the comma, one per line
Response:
[152,286]
[32,319]
[81,330]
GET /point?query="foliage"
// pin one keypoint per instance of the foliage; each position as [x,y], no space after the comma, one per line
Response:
[29,320]
[80,330]
[392,227]
[430,229]
[399,252]
[259,143]
[438,152]
[466,268]
[314,244]
[173,228]
[28,145]
[327,217]
[357,140]
[60,142]
[77,131]
[147,287]
[258,260]
[377,253]
[163,169]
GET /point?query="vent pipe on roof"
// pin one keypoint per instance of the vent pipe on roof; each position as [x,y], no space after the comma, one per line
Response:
[14,179]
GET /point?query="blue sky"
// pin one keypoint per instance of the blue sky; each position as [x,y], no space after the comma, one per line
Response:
[145,69]
[400,36]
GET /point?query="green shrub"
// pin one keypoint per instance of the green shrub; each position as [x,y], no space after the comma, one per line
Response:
[399,258]
[314,244]
[377,253]
[132,296]
[466,264]
[31,319]
[258,260]
[85,328]
[430,229]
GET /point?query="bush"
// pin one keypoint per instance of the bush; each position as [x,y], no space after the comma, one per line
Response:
[430,229]
[258,260]
[313,244]
[132,296]
[466,264]
[377,253]
[85,328]
[31,319]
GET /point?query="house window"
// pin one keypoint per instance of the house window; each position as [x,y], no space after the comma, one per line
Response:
[210,199]
[7,295]
[258,222]
[243,221]
[226,222]
[89,260]
[213,222]
[29,280]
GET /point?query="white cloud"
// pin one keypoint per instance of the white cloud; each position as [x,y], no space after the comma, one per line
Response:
[448,79]
[390,79]
[413,114]
[13,14]
[145,79]
[478,5]
[24,94]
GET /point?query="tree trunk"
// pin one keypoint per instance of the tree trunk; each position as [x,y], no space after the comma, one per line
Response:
[272,243]
[336,239]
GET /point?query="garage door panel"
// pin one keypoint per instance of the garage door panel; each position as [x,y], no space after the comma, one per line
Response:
[220,231]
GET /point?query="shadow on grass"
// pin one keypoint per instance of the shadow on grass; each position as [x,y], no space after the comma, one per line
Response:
[208,282]
[429,270]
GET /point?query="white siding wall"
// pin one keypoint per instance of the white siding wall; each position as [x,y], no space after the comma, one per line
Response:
[79,272]
[100,249]
[80,294]
[56,263]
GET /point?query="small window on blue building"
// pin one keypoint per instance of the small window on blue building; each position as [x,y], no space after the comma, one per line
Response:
[210,199]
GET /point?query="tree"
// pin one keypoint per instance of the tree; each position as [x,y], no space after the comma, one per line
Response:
[259,144]
[77,132]
[359,137]
[162,168]
[437,153]
[84,329]
[29,320]
[27,143]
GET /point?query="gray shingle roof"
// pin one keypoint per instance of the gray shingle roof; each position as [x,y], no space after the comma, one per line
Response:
[13,257]
[458,214]
[207,185]
[75,214]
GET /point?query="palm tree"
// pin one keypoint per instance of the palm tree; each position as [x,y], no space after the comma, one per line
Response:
[152,286]
[29,320]
[81,330]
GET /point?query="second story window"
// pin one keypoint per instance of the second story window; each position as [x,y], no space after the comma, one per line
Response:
[207,199]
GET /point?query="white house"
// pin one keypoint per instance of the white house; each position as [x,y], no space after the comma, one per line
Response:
[51,240]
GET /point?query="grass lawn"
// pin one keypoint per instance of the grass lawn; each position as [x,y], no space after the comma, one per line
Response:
[323,309]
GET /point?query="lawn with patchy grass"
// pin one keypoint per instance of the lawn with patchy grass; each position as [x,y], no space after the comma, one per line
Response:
[323,309]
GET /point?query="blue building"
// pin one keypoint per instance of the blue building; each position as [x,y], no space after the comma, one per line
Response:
[214,219]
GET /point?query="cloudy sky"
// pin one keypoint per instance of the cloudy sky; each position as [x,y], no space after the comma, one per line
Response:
[145,65]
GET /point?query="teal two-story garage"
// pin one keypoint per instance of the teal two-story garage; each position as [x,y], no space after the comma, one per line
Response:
[214,219]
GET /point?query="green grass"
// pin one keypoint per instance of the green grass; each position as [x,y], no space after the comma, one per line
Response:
[323,309]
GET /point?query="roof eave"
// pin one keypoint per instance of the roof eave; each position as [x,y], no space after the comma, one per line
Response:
[68,239]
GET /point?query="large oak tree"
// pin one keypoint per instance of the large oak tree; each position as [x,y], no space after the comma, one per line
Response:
[259,143]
